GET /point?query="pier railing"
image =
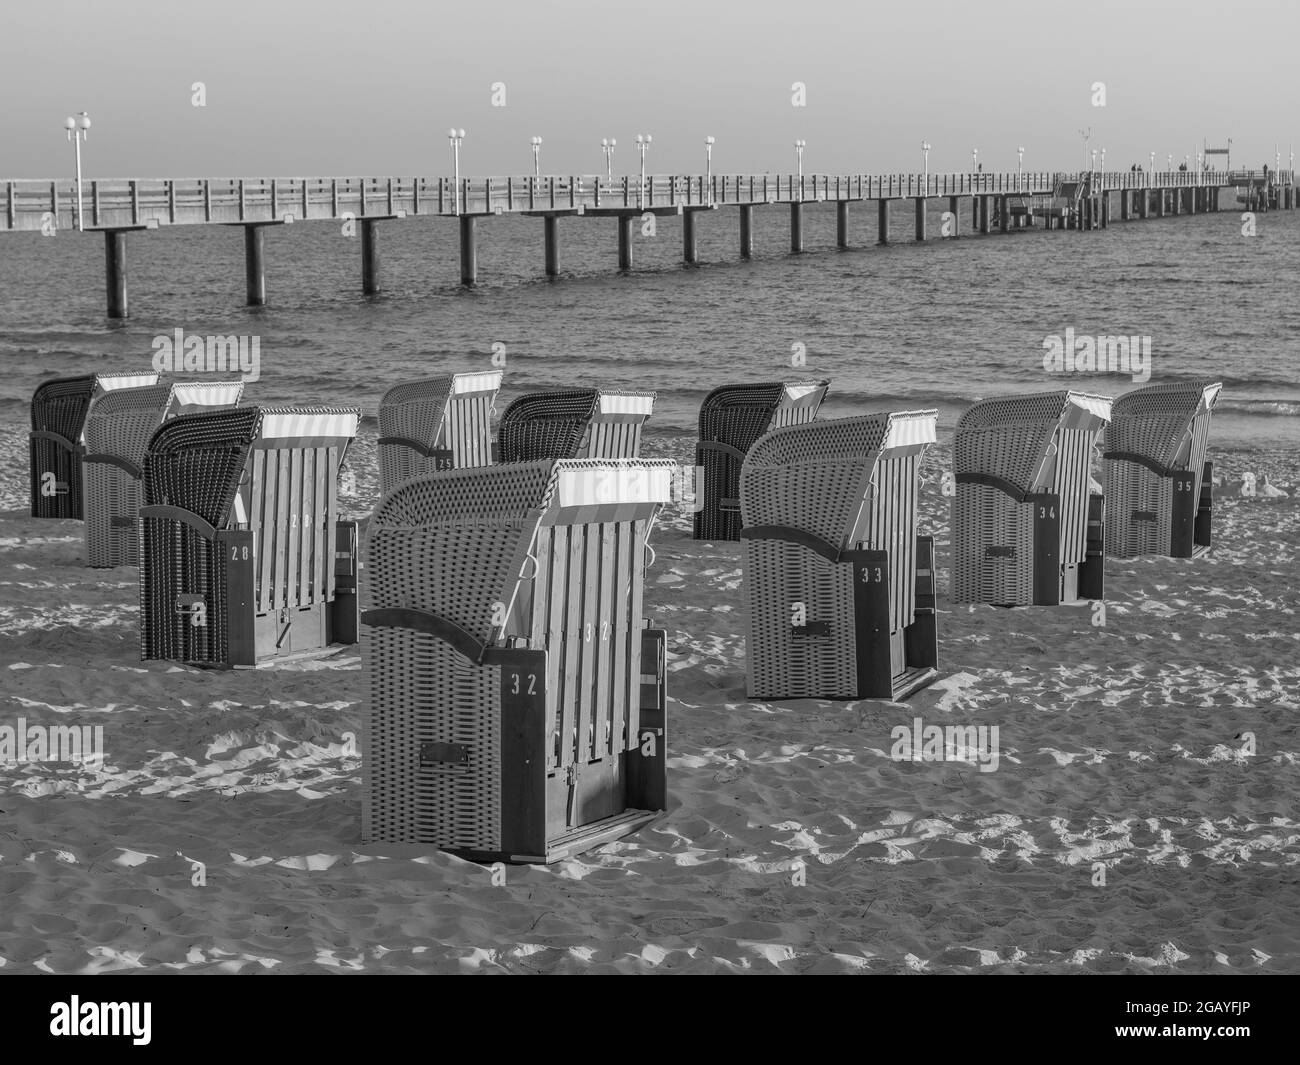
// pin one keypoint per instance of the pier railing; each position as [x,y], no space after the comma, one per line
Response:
[119,203]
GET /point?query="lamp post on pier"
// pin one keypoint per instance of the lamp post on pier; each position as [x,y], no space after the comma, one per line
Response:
[455,137]
[1086,134]
[1020,169]
[537,153]
[607,146]
[708,168]
[925,153]
[1151,171]
[78,130]
[799,146]
[642,146]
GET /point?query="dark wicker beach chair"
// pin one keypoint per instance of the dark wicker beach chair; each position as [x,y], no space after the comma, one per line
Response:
[731,419]
[1158,481]
[119,425]
[440,423]
[56,444]
[1026,525]
[243,556]
[516,697]
[578,424]
[839,585]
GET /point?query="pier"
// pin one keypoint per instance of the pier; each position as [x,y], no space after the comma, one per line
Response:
[999,202]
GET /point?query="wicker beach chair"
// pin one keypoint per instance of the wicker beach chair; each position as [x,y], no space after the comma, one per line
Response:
[119,425]
[581,424]
[839,586]
[243,557]
[517,705]
[1026,525]
[440,423]
[731,419]
[1158,481]
[56,444]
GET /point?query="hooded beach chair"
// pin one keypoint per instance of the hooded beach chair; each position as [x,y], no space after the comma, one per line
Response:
[1026,525]
[243,556]
[440,423]
[731,419]
[119,425]
[56,443]
[517,704]
[1158,482]
[839,586]
[580,424]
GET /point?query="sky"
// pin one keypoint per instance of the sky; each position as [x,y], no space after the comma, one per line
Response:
[370,87]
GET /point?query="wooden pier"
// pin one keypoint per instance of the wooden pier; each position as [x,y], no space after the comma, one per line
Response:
[1000,202]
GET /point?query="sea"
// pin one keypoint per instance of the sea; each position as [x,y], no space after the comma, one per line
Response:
[898,327]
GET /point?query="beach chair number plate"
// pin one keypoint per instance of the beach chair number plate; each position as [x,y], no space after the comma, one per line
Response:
[867,574]
[531,687]
[235,552]
[1047,512]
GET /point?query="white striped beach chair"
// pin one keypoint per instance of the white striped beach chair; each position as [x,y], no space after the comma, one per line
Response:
[578,424]
[1158,481]
[56,442]
[119,425]
[440,423]
[517,705]
[839,585]
[731,419]
[243,558]
[1026,525]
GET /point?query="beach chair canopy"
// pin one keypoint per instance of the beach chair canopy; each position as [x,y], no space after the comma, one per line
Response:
[818,477]
[120,422]
[1163,426]
[197,462]
[583,423]
[737,415]
[446,418]
[456,544]
[60,406]
[1012,442]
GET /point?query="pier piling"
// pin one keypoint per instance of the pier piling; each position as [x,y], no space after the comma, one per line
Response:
[985,213]
[254,265]
[796,227]
[115,271]
[746,231]
[842,223]
[882,221]
[551,239]
[690,250]
[625,241]
[468,250]
[369,256]
[920,219]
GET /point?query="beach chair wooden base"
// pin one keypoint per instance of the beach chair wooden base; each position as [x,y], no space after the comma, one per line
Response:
[845,647]
[478,776]
[214,619]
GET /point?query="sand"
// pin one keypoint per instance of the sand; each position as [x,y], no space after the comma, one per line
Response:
[794,842]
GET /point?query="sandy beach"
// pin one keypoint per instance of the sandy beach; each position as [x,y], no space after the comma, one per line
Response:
[222,832]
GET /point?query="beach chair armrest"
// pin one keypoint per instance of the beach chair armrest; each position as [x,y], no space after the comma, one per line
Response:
[461,640]
[186,517]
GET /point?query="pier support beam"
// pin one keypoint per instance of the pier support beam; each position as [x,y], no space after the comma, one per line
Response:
[551,244]
[796,227]
[690,249]
[625,241]
[369,256]
[115,271]
[1105,210]
[1004,219]
[975,214]
[882,221]
[920,219]
[468,250]
[746,231]
[255,266]
[842,224]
